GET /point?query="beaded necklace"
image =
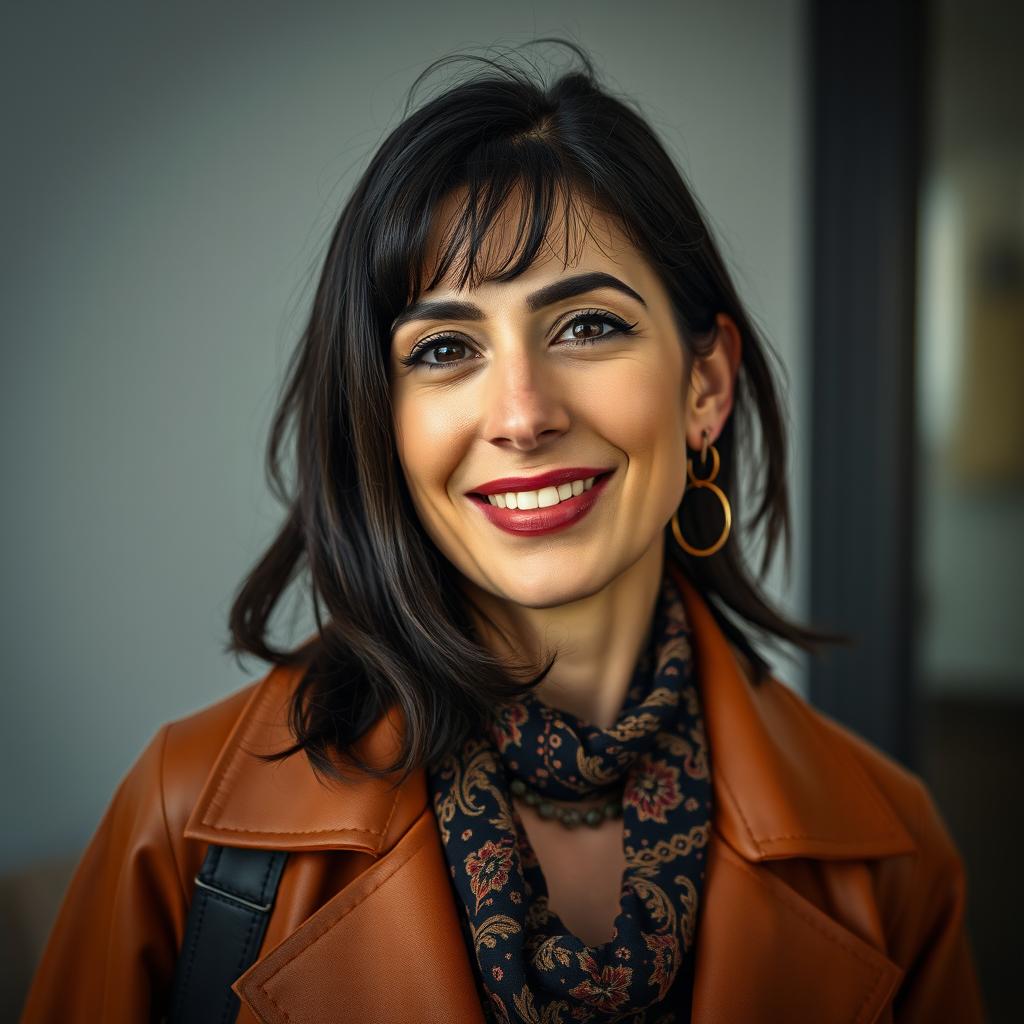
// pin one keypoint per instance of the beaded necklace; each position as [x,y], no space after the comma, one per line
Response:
[568,816]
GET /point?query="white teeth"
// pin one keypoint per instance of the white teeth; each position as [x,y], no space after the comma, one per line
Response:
[543,498]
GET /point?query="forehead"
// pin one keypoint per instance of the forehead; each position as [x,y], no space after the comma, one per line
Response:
[578,235]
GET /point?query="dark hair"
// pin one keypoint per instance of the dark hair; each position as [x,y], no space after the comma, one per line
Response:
[397,629]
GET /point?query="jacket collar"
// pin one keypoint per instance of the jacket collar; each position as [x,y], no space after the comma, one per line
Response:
[761,740]
[283,805]
[388,945]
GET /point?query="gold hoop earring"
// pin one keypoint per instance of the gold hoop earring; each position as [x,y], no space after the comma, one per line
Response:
[706,482]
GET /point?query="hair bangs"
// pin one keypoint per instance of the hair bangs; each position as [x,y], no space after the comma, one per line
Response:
[522,180]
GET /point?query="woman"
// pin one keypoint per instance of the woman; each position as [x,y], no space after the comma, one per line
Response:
[529,767]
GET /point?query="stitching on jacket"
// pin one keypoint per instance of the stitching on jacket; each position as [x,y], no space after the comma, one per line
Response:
[870,786]
[869,783]
[391,813]
[257,703]
[798,911]
[864,1002]
[739,809]
[789,835]
[293,832]
[328,925]
[825,842]
[237,735]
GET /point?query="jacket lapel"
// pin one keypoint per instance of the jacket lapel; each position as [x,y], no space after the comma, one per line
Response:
[765,952]
[781,788]
[388,947]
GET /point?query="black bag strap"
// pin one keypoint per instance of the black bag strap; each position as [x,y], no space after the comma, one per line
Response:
[227,919]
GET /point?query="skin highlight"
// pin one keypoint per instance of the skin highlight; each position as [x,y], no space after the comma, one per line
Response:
[515,396]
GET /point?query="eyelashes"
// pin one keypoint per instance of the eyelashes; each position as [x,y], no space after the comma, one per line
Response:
[450,338]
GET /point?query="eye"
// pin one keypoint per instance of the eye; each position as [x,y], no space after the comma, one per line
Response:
[448,345]
[596,316]
[440,344]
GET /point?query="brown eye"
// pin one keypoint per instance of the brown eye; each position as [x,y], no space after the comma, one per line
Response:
[586,329]
[448,349]
[443,353]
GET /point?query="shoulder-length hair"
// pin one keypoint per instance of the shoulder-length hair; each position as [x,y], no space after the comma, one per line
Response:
[393,627]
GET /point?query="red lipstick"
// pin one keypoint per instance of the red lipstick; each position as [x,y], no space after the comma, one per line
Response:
[534,483]
[534,522]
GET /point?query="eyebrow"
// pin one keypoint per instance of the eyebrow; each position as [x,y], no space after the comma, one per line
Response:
[565,288]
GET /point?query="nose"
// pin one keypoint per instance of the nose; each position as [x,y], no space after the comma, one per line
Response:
[526,404]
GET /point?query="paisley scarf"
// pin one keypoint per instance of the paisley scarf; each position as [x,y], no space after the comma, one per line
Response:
[530,967]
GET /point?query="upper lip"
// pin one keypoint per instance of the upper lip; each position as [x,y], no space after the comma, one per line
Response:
[552,478]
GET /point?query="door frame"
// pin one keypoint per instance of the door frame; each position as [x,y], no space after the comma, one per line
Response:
[867,96]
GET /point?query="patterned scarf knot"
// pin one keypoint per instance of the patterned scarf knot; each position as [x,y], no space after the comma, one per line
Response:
[530,967]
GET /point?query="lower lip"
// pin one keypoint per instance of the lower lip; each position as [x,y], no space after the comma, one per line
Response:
[535,522]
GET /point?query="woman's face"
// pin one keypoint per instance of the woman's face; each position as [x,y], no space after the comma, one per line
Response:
[518,389]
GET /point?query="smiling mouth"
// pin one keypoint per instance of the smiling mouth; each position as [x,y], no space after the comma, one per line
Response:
[547,519]
[542,498]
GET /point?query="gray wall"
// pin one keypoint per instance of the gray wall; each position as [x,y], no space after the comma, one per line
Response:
[169,178]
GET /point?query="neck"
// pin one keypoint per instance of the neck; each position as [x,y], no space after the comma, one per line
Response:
[600,637]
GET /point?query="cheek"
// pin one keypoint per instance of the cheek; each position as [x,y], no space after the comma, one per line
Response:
[427,436]
[640,406]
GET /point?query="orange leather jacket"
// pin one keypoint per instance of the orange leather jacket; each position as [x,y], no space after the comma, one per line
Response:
[833,891]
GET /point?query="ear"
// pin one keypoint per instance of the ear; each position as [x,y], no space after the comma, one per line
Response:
[713,384]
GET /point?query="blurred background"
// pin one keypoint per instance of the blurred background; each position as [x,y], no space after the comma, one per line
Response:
[170,176]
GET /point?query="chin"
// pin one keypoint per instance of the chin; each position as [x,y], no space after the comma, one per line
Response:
[548,598]
[554,589]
